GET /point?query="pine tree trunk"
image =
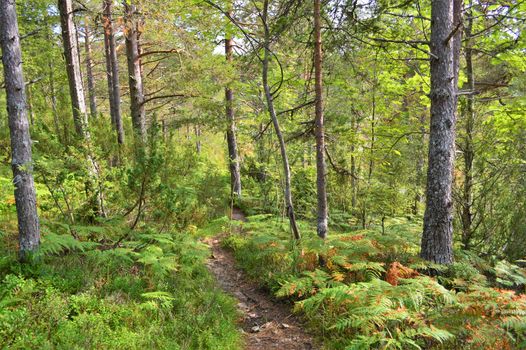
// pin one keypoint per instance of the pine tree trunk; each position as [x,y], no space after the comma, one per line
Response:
[420,163]
[78,103]
[134,72]
[283,149]
[468,151]
[89,70]
[354,172]
[197,132]
[54,101]
[437,238]
[235,174]
[321,166]
[112,71]
[71,54]
[25,196]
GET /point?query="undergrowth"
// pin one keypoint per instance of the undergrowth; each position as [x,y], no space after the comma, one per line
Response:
[375,293]
[151,292]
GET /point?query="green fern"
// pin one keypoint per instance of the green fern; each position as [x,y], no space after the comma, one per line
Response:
[57,244]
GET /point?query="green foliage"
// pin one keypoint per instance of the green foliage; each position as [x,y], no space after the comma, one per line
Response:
[131,273]
[372,293]
[509,275]
[122,298]
[56,244]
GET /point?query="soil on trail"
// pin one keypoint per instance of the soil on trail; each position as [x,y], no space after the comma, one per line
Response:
[237,214]
[267,323]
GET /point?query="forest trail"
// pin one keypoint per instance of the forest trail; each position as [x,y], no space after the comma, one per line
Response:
[267,323]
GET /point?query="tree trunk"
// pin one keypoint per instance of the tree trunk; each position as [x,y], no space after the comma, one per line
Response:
[468,151]
[270,105]
[71,53]
[134,72]
[437,238]
[25,195]
[235,173]
[112,71]
[54,102]
[89,70]
[76,91]
[420,163]
[321,166]
[372,144]
[354,171]
[197,132]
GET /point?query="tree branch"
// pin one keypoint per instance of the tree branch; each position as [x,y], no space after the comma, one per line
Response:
[163,96]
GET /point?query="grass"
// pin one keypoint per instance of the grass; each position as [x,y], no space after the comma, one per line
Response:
[112,300]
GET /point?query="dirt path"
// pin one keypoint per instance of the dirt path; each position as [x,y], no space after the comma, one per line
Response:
[267,324]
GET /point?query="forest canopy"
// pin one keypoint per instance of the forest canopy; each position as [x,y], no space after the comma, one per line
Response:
[364,160]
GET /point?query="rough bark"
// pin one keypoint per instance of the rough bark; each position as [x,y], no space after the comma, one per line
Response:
[437,238]
[468,149]
[25,196]
[71,54]
[138,113]
[321,166]
[235,174]
[112,71]
[89,69]
[270,105]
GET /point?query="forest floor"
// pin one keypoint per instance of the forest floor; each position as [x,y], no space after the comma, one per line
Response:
[267,323]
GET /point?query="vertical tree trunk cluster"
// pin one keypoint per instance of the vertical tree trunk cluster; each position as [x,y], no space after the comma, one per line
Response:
[437,238]
[112,70]
[78,102]
[131,34]
[321,166]
[270,105]
[22,166]
[233,156]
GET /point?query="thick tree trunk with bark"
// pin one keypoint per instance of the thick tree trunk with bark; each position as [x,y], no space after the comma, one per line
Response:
[25,196]
[321,166]
[437,238]
[138,113]
[71,54]
[89,69]
[233,156]
[270,105]
[112,71]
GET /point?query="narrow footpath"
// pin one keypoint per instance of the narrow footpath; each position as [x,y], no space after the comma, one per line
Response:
[267,323]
